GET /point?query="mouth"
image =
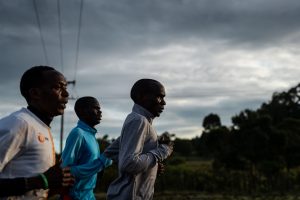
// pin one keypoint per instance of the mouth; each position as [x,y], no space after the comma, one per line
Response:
[63,104]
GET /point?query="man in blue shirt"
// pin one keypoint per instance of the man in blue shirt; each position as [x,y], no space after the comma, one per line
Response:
[82,153]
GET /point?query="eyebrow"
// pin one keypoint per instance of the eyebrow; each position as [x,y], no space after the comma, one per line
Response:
[63,83]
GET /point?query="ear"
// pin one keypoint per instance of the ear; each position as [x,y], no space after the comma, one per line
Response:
[144,100]
[34,93]
[82,113]
[141,98]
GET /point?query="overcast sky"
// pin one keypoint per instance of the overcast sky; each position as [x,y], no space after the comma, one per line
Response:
[212,56]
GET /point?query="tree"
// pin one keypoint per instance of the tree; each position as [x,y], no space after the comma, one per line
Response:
[183,146]
[283,105]
[211,121]
[290,130]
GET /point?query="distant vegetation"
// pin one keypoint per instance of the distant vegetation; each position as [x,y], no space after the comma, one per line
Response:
[258,154]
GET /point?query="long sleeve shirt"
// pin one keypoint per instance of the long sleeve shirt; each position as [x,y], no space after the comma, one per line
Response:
[137,153]
[26,149]
[82,155]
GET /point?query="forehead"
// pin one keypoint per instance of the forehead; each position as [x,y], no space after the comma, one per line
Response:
[94,103]
[91,103]
[54,77]
[158,89]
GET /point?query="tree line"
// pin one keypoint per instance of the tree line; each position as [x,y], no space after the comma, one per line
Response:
[266,139]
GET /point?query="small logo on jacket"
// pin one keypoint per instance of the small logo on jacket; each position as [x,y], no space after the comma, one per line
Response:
[41,138]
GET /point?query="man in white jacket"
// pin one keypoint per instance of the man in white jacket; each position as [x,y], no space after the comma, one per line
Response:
[27,157]
[137,151]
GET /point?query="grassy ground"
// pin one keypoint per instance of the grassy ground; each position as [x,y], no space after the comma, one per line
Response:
[201,196]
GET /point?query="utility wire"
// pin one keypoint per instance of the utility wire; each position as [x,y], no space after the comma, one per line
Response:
[78,39]
[40,30]
[60,36]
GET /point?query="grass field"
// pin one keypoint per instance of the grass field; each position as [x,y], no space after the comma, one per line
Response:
[203,169]
[201,196]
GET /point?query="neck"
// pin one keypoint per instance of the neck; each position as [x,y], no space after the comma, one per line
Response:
[90,124]
[44,118]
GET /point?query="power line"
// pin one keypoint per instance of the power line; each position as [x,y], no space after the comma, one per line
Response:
[78,39]
[40,30]
[62,120]
[73,82]
[60,36]
[61,50]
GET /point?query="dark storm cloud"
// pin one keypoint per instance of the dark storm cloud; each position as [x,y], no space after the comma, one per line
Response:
[152,22]
[118,26]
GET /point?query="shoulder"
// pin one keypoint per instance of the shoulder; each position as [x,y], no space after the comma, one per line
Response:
[136,119]
[14,128]
[136,122]
[75,136]
[15,121]
[76,132]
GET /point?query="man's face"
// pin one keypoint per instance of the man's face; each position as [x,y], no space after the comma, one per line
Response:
[154,102]
[51,97]
[93,113]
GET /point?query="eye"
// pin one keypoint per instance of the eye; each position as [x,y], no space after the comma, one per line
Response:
[159,99]
[60,87]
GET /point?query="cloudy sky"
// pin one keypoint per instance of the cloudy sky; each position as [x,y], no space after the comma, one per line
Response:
[213,56]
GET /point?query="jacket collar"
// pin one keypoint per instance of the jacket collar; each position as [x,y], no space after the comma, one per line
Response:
[142,111]
[86,127]
[47,120]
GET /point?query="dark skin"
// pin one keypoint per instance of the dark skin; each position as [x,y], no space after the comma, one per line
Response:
[154,102]
[50,100]
[46,101]
[91,113]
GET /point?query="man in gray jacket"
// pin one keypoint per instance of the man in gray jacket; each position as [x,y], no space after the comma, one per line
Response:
[138,151]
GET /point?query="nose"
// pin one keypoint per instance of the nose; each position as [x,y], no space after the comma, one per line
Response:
[163,102]
[65,93]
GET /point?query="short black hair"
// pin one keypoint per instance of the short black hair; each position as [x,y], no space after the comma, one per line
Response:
[33,77]
[82,103]
[142,87]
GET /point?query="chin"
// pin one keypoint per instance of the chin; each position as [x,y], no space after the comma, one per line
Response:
[59,112]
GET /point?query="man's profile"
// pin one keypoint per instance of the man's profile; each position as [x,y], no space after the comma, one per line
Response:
[138,150]
[27,157]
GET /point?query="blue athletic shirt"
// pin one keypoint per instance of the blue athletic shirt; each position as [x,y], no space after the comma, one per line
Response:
[82,155]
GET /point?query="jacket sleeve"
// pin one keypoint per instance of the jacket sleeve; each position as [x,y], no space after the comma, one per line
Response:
[73,149]
[91,168]
[13,135]
[131,157]
[112,151]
